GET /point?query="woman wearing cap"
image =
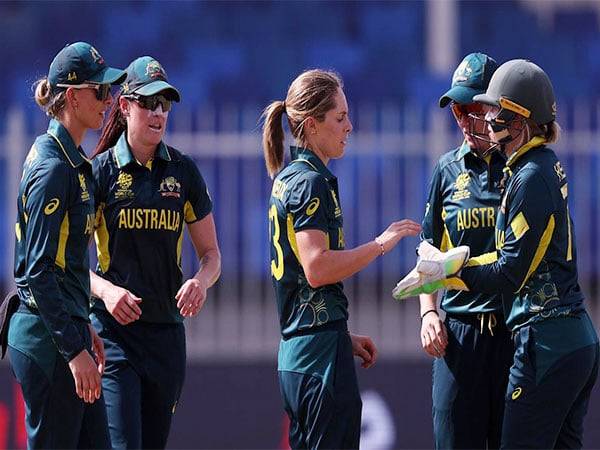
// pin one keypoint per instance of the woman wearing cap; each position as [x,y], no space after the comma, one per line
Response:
[146,193]
[316,369]
[555,362]
[472,346]
[55,354]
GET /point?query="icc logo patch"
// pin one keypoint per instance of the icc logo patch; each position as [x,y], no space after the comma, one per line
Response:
[461,184]
[85,195]
[170,187]
[124,182]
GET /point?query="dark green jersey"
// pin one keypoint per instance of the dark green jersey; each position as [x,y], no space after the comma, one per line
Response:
[464,197]
[141,211]
[535,263]
[55,220]
[304,197]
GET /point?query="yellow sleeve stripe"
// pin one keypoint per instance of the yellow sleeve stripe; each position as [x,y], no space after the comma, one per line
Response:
[291,234]
[101,238]
[180,248]
[570,237]
[541,250]
[188,212]
[519,225]
[446,243]
[482,260]
[62,243]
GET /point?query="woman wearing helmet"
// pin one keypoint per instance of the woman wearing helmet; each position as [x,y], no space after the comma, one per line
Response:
[535,268]
[472,346]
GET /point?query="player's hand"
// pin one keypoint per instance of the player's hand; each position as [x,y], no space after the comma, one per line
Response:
[191,297]
[396,231]
[364,348]
[88,384]
[122,305]
[434,337]
[98,350]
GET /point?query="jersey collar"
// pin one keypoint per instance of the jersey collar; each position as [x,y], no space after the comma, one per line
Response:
[60,134]
[535,142]
[123,155]
[306,155]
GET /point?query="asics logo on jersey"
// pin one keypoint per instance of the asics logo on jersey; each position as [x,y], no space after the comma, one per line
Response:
[517,393]
[313,206]
[51,206]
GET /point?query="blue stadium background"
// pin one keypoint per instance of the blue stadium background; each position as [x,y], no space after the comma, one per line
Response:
[229,59]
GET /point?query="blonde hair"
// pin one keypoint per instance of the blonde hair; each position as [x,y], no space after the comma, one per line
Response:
[311,94]
[51,104]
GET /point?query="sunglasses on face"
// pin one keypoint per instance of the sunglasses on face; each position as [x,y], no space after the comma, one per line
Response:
[461,111]
[102,90]
[151,102]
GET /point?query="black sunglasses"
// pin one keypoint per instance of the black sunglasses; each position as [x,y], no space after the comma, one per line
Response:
[102,90]
[151,102]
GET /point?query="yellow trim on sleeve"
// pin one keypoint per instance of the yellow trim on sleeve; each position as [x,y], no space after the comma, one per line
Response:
[188,212]
[570,236]
[446,243]
[291,234]
[541,250]
[519,225]
[482,260]
[18,231]
[101,237]
[62,243]
[179,248]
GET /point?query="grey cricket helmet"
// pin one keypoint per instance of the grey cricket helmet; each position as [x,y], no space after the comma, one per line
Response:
[524,88]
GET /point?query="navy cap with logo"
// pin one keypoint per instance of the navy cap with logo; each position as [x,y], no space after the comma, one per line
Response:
[146,77]
[470,78]
[80,63]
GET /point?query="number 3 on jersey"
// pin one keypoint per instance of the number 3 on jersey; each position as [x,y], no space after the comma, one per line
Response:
[276,264]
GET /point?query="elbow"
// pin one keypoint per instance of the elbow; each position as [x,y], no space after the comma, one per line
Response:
[314,277]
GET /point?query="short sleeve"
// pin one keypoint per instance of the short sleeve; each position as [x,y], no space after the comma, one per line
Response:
[198,202]
[309,203]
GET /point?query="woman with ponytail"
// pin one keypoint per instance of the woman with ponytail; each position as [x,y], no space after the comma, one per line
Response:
[56,355]
[309,261]
[146,192]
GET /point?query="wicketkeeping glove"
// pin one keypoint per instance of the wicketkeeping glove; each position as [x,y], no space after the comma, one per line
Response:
[434,270]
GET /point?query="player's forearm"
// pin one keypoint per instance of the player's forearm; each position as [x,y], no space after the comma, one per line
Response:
[428,302]
[99,286]
[210,267]
[332,266]
[488,279]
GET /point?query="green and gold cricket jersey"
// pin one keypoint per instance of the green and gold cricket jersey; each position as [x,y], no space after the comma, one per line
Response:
[141,212]
[304,197]
[464,197]
[55,220]
[534,265]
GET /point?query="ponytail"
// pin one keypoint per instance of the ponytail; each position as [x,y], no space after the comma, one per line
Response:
[273,137]
[51,104]
[113,129]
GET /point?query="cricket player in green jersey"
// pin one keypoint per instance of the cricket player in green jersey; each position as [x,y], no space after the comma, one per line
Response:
[56,355]
[147,194]
[534,267]
[472,346]
[309,261]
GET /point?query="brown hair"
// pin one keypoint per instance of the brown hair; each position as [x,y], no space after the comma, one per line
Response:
[51,104]
[112,130]
[552,132]
[311,94]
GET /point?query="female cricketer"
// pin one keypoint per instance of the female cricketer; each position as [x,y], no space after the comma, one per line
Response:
[146,192]
[56,355]
[472,346]
[534,266]
[308,262]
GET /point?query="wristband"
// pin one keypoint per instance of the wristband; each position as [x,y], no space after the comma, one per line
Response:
[380,246]
[429,311]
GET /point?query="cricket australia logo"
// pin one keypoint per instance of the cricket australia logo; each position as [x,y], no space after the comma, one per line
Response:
[461,184]
[124,182]
[85,195]
[96,56]
[155,70]
[462,72]
[170,187]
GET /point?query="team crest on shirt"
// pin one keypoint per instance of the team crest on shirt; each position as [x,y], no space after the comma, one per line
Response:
[124,182]
[460,187]
[85,195]
[170,187]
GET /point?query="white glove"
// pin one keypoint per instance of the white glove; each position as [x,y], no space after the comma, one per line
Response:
[432,271]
